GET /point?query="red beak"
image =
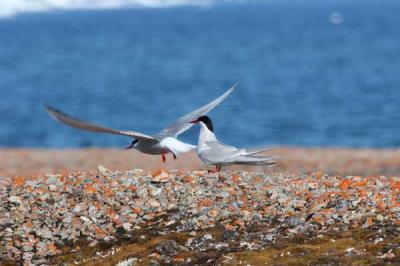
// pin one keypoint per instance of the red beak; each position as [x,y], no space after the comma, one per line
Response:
[194,121]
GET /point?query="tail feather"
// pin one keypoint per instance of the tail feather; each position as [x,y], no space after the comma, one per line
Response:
[251,151]
[254,160]
[255,163]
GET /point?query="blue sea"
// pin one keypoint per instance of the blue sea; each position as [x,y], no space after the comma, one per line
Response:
[311,73]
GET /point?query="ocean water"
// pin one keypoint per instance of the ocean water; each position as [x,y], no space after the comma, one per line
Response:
[312,73]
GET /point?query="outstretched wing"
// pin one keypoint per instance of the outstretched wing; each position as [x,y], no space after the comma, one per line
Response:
[76,123]
[182,124]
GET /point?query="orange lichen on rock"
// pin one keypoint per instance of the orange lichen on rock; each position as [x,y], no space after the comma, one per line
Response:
[18,181]
[90,189]
[381,206]
[107,192]
[229,227]
[362,183]
[236,178]
[239,222]
[157,173]
[243,197]
[132,188]
[136,210]
[396,186]
[178,260]
[213,212]
[52,248]
[345,184]
[205,202]
[329,184]
[362,192]
[111,212]
[99,231]
[318,175]
[188,179]
[369,221]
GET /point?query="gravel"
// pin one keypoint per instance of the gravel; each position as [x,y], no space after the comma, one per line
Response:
[38,218]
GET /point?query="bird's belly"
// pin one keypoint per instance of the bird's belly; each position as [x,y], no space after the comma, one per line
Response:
[205,160]
[153,148]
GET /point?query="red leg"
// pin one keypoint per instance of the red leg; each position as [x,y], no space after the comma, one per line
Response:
[163,159]
[216,170]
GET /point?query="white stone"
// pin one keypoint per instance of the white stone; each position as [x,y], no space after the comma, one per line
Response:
[77,209]
[15,199]
[127,226]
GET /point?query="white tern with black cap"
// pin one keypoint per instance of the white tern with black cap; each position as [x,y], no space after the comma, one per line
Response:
[213,152]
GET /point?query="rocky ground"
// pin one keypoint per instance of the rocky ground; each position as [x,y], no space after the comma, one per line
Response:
[195,217]
[291,214]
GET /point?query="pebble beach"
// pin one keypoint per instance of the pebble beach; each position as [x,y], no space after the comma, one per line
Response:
[189,216]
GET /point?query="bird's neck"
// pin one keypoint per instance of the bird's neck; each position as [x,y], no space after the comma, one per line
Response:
[205,135]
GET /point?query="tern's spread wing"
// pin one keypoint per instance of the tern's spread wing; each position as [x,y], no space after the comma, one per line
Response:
[183,123]
[76,123]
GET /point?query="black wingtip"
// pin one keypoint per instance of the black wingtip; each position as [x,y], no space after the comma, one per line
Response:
[54,112]
[48,107]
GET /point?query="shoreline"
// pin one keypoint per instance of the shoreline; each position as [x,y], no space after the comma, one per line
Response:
[336,161]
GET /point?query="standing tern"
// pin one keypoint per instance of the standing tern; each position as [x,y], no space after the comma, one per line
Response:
[160,144]
[213,152]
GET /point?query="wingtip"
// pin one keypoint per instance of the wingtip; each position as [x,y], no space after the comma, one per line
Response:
[234,86]
[52,112]
[230,90]
[48,107]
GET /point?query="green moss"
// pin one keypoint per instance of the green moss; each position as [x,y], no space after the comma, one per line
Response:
[331,248]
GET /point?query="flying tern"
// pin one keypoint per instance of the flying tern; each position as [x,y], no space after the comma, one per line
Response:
[159,144]
[213,152]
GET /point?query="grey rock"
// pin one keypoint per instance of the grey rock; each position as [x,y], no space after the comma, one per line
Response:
[168,247]
[31,183]
[67,218]
[5,221]
[15,199]
[127,226]
[93,243]
[208,237]
[77,209]
[52,179]
[109,238]
[27,256]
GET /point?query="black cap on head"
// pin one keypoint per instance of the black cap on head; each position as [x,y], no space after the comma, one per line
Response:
[207,121]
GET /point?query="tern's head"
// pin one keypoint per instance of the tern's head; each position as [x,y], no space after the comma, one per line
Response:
[206,120]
